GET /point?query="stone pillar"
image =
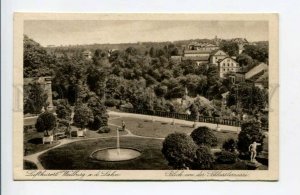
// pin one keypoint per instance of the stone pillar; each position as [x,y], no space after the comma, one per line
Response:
[48,90]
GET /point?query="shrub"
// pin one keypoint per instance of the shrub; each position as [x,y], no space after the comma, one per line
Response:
[99,121]
[229,145]
[250,132]
[204,159]
[226,157]
[179,150]
[73,133]
[45,122]
[111,102]
[204,136]
[104,129]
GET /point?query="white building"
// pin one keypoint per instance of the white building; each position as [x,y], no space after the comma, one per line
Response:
[228,65]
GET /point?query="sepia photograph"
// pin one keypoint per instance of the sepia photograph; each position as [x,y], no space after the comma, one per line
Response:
[145,96]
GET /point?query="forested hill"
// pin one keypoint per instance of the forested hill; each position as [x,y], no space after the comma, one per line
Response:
[142,75]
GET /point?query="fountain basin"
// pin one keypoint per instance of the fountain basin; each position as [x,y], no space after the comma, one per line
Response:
[115,154]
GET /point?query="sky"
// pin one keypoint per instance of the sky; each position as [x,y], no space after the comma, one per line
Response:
[72,32]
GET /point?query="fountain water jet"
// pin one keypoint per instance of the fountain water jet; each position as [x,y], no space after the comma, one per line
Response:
[115,154]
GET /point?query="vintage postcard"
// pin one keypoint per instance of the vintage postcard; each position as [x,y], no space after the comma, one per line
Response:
[146,97]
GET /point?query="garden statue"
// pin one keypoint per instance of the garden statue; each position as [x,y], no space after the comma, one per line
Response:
[123,126]
[252,149]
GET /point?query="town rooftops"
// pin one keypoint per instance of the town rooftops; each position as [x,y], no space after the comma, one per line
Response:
[196,52]
[202,44]
[196,58]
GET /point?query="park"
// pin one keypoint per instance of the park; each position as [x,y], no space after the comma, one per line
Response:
[148,106]
[143,133]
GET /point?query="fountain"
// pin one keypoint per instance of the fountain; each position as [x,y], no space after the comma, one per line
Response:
[115,154]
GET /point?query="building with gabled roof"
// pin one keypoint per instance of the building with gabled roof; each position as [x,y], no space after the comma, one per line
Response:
[217,55]
[228,65]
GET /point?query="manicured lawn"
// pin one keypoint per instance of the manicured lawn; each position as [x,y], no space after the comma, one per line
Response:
[161,129]
[77,155]
[33,143]
[28,165]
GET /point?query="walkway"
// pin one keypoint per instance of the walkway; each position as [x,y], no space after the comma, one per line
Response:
[169,120]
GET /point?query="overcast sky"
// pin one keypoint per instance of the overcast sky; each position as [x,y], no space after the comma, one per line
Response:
[51,32]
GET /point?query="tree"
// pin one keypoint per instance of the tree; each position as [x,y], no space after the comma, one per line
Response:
[204,159]
[45,122]
[83,115]
[36,60]
[160,90]
[35,98]
[96,80]
[231,48]
[99,112]
[204,136]
[194,111]
[179,150]
[259,52]
[244,60]
[250,132]
[248,96]
[63,109]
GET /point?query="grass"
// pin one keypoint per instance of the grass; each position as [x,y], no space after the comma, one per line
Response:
[33,143]
[159,129]
[29,165]
[76,155]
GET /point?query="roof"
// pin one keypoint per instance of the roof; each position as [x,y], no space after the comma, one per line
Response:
[263,78]
[239,40]
[86,52]
[196,52]
[262,67]
[202,44]
[216,51]
[227,58]
[41,80]
[196,58]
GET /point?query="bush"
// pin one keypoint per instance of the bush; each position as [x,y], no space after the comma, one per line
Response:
[204,136]
[111,102]
[229,145]
[179,150]
[99,121]
[104,129]
[45,122]
[250,132]
[204,159]
[226,157]
[73,133]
